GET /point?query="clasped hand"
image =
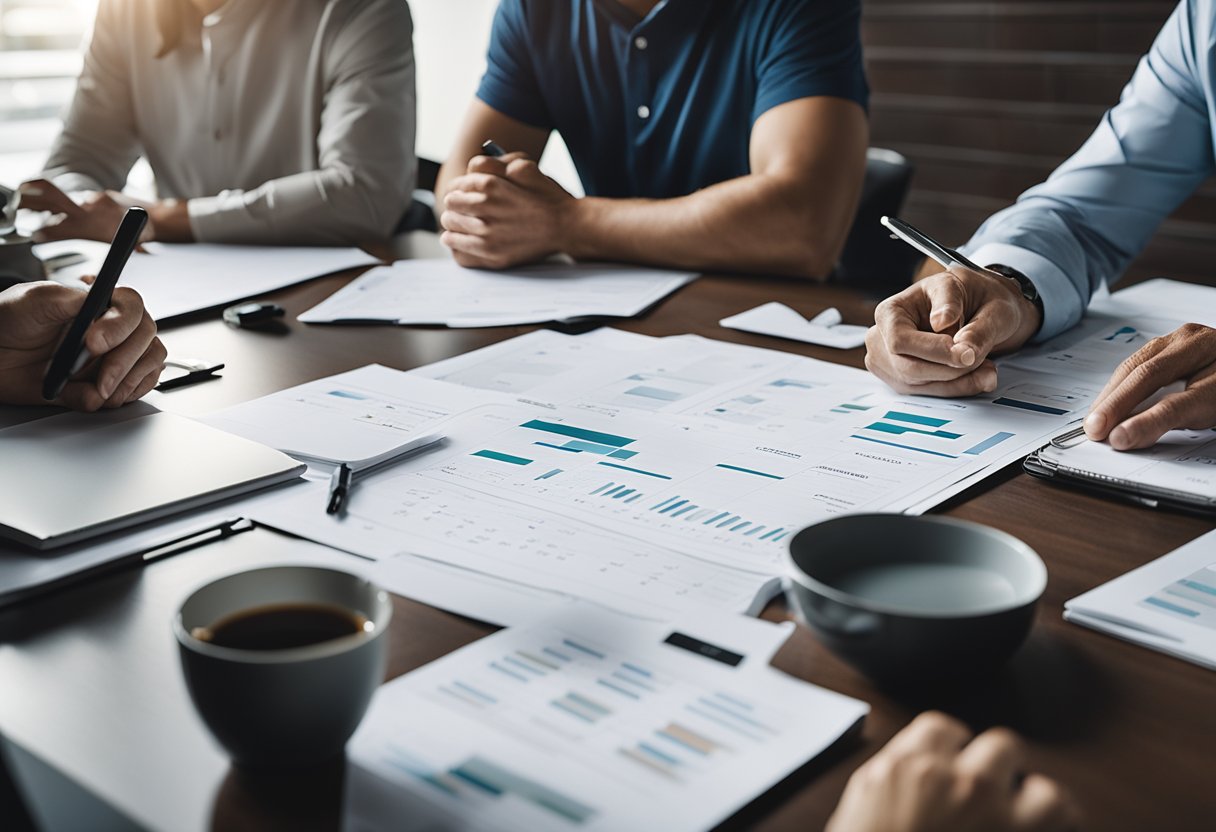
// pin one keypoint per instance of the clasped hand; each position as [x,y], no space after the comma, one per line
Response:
[935,337]
[504,212]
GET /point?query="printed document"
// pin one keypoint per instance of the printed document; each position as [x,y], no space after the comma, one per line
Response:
[442,293]
[588,720]
[179,278]
[1167,605]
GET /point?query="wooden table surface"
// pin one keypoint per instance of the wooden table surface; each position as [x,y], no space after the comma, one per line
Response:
[1131,732]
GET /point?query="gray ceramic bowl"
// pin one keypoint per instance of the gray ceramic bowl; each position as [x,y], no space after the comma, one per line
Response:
[294,706]
[915,600]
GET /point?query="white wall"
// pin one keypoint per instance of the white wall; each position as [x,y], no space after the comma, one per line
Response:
[450,39]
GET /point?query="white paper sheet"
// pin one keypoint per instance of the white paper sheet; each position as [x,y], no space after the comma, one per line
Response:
[358,417]
[585,719]
[780,321]
[443,293]
[654,475]
[1167,605]
[179,278]
[1172,299]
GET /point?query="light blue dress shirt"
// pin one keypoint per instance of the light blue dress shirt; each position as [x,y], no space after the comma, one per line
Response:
[1094,214]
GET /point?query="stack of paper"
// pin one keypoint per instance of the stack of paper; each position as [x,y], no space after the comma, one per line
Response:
[654,475]
[176,279]
[442,293]
[1167,605]
[361,417]
[589,720]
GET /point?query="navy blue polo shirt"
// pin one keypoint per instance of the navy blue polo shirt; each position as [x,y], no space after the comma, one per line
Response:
[663,106]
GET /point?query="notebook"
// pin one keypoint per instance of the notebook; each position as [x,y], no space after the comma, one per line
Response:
[74,477]
[1178,472]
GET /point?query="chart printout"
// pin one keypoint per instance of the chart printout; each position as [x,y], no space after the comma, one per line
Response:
[586,720]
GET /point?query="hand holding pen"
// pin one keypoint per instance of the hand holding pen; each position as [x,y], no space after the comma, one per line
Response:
[935,337]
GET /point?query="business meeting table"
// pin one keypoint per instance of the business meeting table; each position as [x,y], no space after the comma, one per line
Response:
[92,697]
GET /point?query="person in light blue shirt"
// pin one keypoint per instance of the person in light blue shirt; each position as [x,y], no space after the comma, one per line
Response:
[725,135]
[1067,236]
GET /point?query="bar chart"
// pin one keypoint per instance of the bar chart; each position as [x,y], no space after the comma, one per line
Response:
[924,434]
[1192,598]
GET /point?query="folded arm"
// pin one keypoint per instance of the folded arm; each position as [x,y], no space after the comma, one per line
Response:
[790,215]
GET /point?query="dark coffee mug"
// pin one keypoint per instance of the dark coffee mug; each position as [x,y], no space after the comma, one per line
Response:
[288,706]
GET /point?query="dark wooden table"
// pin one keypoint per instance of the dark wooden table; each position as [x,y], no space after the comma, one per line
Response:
[1131,732]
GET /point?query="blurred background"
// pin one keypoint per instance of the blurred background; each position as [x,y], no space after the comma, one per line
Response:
[985,98]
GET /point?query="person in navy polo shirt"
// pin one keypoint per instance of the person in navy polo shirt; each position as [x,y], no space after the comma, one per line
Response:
[719,135]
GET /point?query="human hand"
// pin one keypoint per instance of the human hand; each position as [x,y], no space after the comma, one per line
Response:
[1187,354]
[934,777]
[97,218]
[503,212]
[934,338]
[127,355]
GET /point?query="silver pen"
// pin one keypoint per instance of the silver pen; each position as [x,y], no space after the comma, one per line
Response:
[930,247]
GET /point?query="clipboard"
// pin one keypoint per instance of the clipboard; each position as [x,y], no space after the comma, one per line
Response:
[1054,462]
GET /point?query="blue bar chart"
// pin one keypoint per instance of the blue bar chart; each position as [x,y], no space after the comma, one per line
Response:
[1192,598]
[930,435]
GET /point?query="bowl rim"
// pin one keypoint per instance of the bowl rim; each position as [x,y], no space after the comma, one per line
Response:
[796,574]
[320,650]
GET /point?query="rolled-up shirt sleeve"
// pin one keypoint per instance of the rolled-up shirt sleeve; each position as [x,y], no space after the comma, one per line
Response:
[1097,211]
[365,148]
[99,143]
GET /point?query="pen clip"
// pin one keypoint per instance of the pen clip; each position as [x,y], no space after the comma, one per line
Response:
[1070,438]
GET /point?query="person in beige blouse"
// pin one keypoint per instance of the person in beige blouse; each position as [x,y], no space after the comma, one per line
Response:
[264,121]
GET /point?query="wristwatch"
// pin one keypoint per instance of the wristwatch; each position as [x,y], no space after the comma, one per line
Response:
[1025,286]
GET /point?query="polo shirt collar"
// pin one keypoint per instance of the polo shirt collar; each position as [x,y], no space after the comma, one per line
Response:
[627,19]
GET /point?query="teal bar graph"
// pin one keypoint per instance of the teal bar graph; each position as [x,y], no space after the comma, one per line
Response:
[991,441]
[885,427]
[575,432]
[749,471]
[634,470]
[501,457]
[548,474]
[589,447]
[927,421]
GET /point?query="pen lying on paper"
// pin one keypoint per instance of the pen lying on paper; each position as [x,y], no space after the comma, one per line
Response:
[343,477]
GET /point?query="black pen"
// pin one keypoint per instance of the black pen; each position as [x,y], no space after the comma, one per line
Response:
[343,478]
[490,148]
[71,354]
[339,488]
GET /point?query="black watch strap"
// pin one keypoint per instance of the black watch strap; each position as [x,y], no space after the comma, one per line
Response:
[1025,286]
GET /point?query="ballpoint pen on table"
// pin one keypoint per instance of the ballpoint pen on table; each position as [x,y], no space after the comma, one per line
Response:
[343,477]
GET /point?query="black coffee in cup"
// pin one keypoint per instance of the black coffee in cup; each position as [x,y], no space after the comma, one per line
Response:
[282,626]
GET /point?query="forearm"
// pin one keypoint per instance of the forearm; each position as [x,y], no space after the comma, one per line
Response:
[316,207]
[755,224]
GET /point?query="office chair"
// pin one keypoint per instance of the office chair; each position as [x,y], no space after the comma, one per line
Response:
[871,261]
[420,215]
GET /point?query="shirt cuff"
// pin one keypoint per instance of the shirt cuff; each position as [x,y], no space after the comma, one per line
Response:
[71,183]
[1061,307]
[223,218]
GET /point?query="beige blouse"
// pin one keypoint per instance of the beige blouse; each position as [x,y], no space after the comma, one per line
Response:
[281,121]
